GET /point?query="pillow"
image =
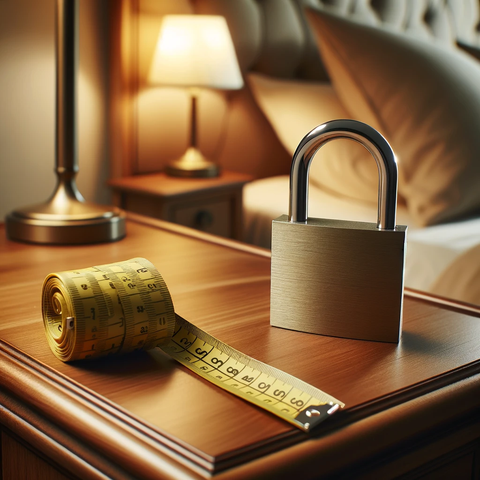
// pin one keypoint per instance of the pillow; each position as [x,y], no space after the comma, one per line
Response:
[293,108]
[423,98]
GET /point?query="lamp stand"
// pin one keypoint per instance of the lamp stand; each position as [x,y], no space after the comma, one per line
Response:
[66,218]
[192,163]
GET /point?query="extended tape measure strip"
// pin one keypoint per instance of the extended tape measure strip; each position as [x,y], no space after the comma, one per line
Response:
[121,307]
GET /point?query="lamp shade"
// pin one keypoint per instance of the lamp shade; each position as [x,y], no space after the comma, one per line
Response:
[195,51]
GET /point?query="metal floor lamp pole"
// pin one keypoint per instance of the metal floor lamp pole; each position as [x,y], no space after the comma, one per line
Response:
[66,218]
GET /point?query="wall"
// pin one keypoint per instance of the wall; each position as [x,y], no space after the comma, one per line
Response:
[27,102]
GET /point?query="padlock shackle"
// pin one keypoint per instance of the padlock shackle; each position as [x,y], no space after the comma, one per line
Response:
[372,140]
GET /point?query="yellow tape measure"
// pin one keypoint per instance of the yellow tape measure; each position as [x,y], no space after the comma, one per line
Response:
[126,306]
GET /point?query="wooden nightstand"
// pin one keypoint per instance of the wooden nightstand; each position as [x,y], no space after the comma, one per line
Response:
[213,205]
[412,410]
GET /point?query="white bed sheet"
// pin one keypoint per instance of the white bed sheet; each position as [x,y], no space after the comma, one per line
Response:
[442,259]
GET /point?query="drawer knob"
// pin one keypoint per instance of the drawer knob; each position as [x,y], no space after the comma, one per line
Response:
[203,219]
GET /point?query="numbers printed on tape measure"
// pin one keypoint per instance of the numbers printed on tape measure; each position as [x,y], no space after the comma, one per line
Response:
[258,383]
[117,308]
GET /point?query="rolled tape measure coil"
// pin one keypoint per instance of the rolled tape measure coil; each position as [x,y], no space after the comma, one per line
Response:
[117,308]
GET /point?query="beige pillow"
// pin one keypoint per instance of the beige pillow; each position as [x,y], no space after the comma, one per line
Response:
[425,100]
[293,108]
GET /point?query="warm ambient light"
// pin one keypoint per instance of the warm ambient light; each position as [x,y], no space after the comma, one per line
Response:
[195,51]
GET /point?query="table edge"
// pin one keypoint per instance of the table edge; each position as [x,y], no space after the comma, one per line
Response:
[30,385]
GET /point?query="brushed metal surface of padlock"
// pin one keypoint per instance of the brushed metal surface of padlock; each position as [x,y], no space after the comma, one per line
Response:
[335,277]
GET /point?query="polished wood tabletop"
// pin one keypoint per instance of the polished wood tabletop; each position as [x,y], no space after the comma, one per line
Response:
[143,413]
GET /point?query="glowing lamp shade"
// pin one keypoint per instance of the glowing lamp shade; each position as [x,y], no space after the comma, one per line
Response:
[195,51]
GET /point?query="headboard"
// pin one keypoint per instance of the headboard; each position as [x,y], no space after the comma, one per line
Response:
[149,126]
[273,37]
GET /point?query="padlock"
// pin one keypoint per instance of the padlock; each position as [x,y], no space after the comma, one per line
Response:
[335,277]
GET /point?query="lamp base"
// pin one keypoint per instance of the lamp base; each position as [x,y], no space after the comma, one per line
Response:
[192,164]
[82,223]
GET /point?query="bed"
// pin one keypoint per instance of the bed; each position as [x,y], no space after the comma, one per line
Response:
[409,68]
[400,66]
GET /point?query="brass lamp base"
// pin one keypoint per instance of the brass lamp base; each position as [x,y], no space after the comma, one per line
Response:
[66,219]
[192,164]
[24,227]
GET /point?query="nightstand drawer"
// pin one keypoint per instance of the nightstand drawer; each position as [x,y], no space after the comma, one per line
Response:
[211,217]
[213,205]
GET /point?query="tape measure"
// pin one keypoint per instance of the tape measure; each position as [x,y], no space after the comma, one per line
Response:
[117,308]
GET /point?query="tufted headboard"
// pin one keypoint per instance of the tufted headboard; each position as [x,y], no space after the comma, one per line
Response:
[271,37]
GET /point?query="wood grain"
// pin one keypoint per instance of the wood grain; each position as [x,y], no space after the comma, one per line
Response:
[181,421]
[20,463]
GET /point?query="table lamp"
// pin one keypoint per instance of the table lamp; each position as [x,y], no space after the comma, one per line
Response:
[195,51]
[66,218]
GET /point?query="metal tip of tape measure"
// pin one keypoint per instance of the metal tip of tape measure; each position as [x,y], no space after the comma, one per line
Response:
[315,414]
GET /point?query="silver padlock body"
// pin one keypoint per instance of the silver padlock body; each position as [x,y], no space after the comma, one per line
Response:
[338,278]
